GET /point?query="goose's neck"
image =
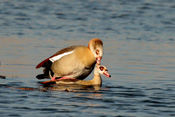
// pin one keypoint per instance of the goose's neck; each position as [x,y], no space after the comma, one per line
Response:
[97,78]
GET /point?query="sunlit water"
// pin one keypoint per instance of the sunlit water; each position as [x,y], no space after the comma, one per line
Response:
[139,51]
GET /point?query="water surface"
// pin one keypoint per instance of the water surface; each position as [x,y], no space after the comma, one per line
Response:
[139,46]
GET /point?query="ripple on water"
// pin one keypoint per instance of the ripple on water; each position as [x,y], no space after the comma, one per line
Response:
[138,38]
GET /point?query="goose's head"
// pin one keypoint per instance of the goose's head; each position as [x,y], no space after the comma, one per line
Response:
[96,47]
[103,70]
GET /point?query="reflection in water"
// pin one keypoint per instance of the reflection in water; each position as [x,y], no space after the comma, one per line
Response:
[73,88]
[139,50]
[67,88]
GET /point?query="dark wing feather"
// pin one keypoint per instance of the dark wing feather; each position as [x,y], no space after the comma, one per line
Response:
[59,52]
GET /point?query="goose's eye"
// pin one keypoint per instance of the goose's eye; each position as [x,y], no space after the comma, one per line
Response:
[101,68]
[97,52]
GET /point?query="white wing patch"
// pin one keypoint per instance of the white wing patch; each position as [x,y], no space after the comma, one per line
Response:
[53,59]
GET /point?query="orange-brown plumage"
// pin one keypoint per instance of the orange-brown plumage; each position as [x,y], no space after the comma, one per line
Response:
[74,61]
[96,81]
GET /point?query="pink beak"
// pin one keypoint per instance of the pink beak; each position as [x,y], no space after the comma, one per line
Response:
[98,60]
[107,74]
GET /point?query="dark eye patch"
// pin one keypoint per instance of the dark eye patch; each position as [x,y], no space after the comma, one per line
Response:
[101,68]
[97,52]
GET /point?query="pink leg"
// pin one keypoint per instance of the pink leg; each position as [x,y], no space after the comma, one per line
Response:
[54,78]
[65,78]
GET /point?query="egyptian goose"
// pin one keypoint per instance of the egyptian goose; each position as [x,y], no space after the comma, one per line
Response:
[96,81]
[73,62]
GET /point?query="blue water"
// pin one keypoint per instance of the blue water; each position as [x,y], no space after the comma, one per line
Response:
[139,52]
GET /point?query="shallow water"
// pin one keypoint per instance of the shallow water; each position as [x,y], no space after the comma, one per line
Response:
[139,51]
